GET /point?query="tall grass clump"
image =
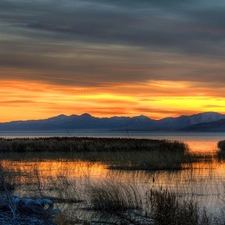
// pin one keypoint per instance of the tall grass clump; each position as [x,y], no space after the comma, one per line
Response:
[221,145]
[158,207]
[221,152]
[167,208]
[108,196]
[118,203]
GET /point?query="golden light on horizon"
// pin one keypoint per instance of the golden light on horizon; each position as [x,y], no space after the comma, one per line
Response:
[55,64]
[23,100]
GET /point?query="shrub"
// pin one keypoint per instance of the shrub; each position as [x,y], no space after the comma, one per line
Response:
[221,145]
[113,197]
[167,208]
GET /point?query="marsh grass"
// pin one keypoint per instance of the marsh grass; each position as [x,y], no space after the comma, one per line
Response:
[9,180]
[159,207]
[145,160]
[124,202]
[109,196]
[221,145]
[221,152]
[88,144]
[63,190]
[121,202]
[167,208]
[118,153]
[120,199]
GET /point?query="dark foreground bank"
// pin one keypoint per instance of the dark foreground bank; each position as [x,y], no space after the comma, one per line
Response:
[15,210]
[88,144]
[117,153]
[19,219]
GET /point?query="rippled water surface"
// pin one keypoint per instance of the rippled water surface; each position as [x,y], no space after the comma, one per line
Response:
[205,181]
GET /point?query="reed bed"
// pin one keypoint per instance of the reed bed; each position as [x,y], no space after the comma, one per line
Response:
[158,207]
[221,152]
[167,208]
[146,160]
[119,153]
[221,145]
[123,201]
[88,144]
[109,196]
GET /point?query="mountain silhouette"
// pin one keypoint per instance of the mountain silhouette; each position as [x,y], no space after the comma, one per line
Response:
[202,122]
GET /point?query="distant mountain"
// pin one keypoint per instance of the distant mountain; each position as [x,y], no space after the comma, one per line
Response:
[185,121]
[86,121]
[218,125]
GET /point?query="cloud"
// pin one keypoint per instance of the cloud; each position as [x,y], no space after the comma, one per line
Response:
[108,66]
[156,112]
[16,102]
[159,25]
[214,106]
[96,43]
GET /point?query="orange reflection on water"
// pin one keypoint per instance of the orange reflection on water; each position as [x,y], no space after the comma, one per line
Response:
[202,146]
[55,168]
[78,169]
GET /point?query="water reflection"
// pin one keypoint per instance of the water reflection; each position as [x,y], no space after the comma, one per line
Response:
[204,181]
[56,168]
[202,146]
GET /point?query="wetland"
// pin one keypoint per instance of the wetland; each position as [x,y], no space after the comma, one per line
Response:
[118,180]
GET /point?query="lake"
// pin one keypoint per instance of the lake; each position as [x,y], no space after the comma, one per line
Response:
[205,182]
[197,141]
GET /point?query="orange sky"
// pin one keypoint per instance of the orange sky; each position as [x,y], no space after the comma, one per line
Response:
[109,58]
[23,100]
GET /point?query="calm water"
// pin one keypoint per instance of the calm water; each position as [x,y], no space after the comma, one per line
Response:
[197,141]
[134,134]
[205,182]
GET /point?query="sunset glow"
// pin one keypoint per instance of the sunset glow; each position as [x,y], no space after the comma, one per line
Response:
[110,60]
[33,100]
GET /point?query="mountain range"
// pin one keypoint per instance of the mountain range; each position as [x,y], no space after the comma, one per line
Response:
[207,121]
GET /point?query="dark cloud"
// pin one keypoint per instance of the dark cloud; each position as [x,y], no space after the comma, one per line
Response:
[139,23]
[98,42]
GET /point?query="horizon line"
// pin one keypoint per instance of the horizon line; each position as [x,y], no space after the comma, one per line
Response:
[79,115]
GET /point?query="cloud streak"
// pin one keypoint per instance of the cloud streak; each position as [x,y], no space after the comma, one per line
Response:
[119,48]
[196,27]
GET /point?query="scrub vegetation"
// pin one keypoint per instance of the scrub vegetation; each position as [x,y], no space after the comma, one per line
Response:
[103,201]
[109,202]
[221,145]
[88,144]
[221,152]
[118,153]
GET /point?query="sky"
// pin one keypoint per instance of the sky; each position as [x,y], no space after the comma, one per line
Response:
[156,58]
